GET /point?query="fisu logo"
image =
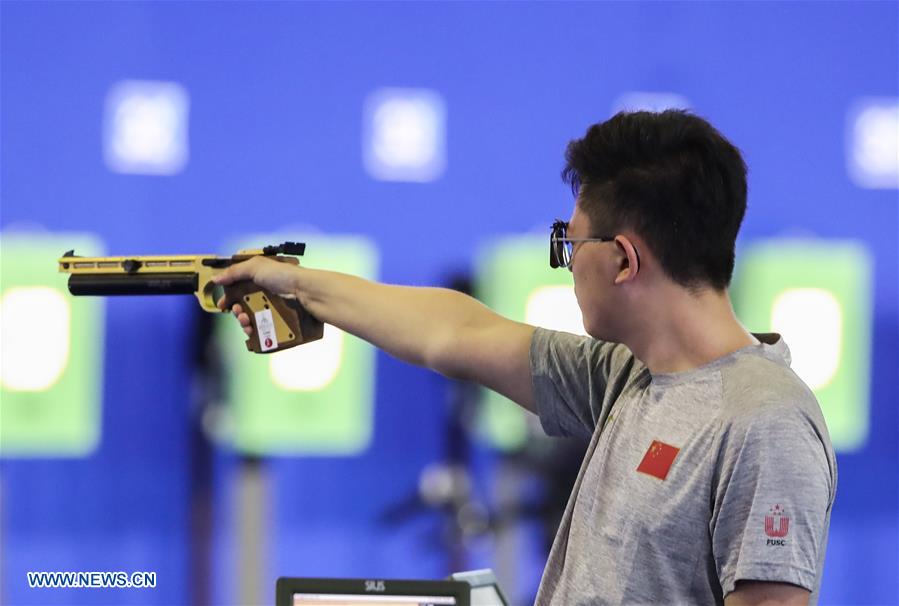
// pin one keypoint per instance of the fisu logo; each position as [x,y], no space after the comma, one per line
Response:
[777,526]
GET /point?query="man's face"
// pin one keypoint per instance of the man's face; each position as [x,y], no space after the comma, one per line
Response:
[593,267]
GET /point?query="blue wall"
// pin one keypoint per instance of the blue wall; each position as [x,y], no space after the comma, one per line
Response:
[276,94]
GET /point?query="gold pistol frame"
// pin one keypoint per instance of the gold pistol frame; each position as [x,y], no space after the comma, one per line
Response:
[279,322]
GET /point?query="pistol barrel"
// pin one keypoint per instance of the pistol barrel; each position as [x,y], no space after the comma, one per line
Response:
[135,284]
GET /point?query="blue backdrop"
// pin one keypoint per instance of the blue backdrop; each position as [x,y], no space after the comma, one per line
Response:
[276,95]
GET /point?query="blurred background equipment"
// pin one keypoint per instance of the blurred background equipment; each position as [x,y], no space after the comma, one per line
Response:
[421,141]
[52,352]
[312,400]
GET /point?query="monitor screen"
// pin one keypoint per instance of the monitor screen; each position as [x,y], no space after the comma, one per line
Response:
[349,599]
[367,592]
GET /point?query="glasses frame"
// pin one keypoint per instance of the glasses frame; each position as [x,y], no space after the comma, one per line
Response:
[560,255]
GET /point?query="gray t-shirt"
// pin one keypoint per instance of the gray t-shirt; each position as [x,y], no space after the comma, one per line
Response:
[692,480]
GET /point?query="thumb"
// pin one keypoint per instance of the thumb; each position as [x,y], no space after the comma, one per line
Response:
[235,273]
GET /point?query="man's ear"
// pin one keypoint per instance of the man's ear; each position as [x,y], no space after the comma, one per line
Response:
[630,261]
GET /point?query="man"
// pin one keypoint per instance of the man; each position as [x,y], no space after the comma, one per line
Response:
[710,476]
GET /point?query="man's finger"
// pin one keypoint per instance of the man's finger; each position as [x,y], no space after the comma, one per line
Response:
[221,304]
[225,278]
[235,273]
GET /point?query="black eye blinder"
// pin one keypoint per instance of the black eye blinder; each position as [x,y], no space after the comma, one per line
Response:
[556,249]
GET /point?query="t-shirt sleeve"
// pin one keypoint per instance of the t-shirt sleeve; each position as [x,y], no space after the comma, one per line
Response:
[773,493]
[576,380]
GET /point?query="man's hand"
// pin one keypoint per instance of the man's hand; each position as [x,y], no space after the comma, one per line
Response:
[766,593]
[276,277]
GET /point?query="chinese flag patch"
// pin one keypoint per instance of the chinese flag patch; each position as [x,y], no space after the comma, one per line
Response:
[658,459]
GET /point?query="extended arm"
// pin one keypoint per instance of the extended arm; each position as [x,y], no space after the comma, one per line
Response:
[441,329]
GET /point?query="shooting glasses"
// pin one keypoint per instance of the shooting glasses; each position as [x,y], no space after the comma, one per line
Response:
[561,248]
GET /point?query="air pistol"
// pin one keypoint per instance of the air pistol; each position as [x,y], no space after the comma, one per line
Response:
[279,322]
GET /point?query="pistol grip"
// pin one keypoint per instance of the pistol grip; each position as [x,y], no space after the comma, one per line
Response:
[278,323]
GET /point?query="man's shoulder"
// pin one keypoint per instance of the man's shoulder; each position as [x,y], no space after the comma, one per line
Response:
[763,398]
[768,413]
[597,353]
[761,381]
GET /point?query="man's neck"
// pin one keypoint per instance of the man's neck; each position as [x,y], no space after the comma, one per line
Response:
[683,331]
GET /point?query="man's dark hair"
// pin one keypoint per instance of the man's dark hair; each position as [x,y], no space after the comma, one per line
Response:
[673,179]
